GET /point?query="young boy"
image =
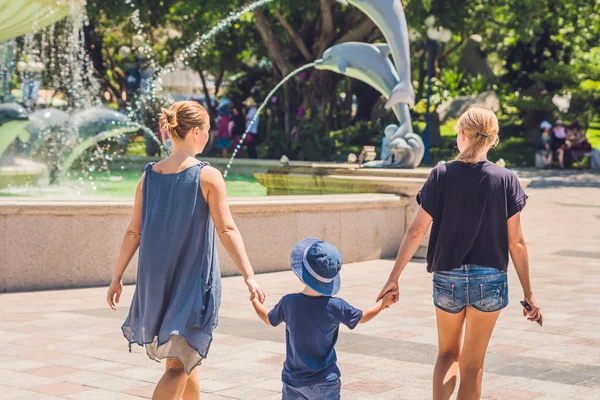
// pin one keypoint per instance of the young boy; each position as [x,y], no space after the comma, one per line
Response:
[312,320]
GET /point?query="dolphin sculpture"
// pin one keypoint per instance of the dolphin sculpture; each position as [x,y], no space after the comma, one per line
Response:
[13,119]
[91,121]
[12,112]
[40,123]
[389,17]
[366,62]
[369,63]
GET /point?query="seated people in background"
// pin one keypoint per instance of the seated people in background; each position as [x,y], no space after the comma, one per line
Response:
[575,147]
[544,154]
[559,135]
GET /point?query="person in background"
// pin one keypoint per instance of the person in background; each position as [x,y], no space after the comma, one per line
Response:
[579,145]
[545,145]
[238,125]
[224,133]
[559,135]
[252,120]
[576,145]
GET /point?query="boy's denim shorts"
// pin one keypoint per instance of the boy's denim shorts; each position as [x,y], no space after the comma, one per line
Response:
[485,289]
[320,391]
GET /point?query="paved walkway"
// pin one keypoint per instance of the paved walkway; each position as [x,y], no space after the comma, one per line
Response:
[67,344]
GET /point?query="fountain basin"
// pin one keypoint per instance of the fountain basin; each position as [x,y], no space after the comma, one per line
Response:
[59,243]
[20,172]
[330,178]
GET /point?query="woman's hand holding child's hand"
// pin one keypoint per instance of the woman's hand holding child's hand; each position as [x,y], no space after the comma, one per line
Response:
[390,286]
[255,290]
[390,298]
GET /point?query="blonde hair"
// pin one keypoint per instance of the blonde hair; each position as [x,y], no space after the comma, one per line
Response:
[480,125]
[181,117]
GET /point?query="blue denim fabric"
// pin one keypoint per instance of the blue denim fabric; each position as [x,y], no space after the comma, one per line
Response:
[320,391]
[485,289]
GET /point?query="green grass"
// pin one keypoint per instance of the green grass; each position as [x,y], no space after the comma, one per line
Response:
[137,147]
[123,184]
[593,134]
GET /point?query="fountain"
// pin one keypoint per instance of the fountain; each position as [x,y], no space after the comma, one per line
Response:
[402,150]
[34,142]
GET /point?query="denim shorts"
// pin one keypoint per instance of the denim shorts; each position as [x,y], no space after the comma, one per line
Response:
[320,391]
[485,289]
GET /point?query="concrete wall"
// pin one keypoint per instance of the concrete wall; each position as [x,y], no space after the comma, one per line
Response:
[60,244]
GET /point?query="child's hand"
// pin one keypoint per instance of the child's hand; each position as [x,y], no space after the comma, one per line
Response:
[390,298]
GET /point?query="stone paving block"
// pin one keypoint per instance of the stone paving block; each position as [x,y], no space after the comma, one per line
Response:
[371,386]
[35,396]
[51,371]
[590,394]
[247,393]
[142,391]
[593,382]
[562,376]
[511,394]
[22,380]
[11,392]
[215,385]
[61,389]
[151,375]
[524,370]
[102,381]
[100,394]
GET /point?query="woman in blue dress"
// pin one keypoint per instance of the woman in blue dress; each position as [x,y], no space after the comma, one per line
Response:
[180,207]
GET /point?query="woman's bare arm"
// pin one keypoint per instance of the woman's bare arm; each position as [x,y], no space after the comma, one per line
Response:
[410,243]
[129,245]
[518,253]
[213,188]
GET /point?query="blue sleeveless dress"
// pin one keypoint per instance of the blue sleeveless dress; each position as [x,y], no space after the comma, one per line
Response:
[178,293]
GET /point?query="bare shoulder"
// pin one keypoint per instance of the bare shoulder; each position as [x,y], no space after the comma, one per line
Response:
[141,181]
[211,176]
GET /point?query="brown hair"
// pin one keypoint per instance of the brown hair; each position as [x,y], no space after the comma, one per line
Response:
[480,126]
[181,117]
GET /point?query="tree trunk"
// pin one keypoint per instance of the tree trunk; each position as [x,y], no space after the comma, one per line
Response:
[274,48]
[435,135]
[212,113]
[294,36]
[219,79]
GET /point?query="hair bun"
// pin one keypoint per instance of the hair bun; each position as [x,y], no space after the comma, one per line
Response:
[171,117]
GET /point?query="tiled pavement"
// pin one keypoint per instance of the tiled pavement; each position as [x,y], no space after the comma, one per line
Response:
[67,344]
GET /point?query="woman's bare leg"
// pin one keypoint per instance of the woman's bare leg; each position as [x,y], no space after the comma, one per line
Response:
[560,156]
[192,386]
[478,331]
[450,332]
[172,384]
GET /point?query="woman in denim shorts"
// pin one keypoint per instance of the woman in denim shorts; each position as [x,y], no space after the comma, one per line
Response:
[473,207]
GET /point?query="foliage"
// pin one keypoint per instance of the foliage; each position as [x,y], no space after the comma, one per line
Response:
[536,49]
[312,145]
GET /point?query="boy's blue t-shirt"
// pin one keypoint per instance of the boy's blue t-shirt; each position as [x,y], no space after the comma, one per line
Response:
[312,325]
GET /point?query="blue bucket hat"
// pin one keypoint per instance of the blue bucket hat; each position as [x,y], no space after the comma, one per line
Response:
[318,263]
